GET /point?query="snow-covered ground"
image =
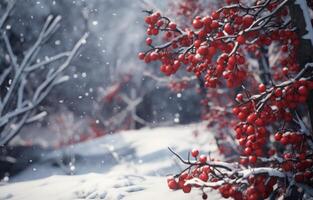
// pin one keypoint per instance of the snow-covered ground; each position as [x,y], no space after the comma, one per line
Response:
[126,165]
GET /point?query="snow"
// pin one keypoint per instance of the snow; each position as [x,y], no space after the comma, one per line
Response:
[127,165]
[95,186]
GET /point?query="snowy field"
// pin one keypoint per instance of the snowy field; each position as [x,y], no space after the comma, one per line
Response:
[126,165]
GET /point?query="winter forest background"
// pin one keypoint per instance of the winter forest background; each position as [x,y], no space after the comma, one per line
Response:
[107,58]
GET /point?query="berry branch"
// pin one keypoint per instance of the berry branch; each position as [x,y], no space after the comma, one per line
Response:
[269,114]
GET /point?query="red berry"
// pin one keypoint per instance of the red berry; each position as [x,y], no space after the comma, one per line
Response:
[154,31]
[285,71]
[197,43]
[197,23]
[154,56]
[183,176]
[242,116]
[204,176]
[148,41]
[203,159]
[186,188]
[284,140]
[239,97]
[248,151]
[172,26]
[259,122]
[236,110]
[241,39]
[160,23]
[195,152]
[154,17]
[232,60]
[172,184]
[228,29]
[215,15]
[250,130]
[214,24]
[207,21]
[176,65]
[206,169]
[202,51]
[277,136]
[247,21]
[252,159]
[262,88]
[278,92]
[141,55]
[251,118]
[148,20]
[303,90]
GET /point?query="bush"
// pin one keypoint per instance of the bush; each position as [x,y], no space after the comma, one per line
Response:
[255,61]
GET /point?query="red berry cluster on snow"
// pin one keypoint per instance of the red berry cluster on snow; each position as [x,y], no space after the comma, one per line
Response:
[265,106]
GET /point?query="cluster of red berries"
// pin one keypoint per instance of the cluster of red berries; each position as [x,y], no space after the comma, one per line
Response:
[155,23]
[221,34]
[300,161]
[198,58]
[289,138]
[301,164]
[251,132]
[201,171]
[278,100]
[260,185]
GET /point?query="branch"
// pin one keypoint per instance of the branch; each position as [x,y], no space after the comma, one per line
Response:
[6,13]
[54,75]
[29,54]
[25,108]
[10,51]
[216,164]
[47,61]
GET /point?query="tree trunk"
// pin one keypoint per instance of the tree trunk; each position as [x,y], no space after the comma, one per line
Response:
[300,18]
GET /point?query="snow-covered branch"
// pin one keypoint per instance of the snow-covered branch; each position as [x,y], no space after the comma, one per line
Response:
[6,12]
[18,105]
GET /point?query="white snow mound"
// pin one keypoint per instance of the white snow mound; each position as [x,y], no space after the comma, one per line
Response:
[128,165]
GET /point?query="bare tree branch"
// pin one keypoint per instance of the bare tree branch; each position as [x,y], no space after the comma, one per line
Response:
[18,106]
[7,12]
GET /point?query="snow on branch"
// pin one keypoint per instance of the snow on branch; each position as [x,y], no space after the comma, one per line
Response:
[7,12]
[18,105]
